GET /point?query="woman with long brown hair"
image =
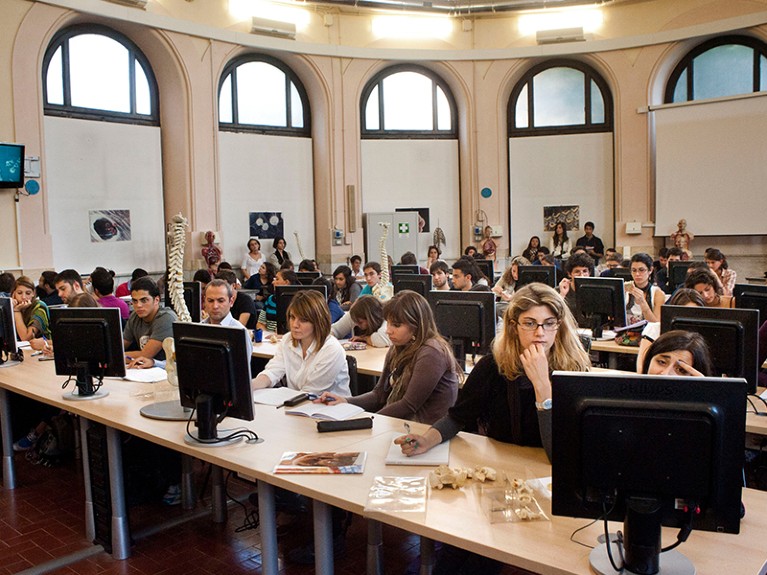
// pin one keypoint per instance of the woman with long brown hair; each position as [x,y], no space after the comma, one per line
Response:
[365,322]
[420,375]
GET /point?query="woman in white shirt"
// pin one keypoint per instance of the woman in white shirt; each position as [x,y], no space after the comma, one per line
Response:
[560,245]
[366,315]
[309,358]
[253,259]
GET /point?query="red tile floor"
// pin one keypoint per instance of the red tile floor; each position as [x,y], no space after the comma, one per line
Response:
[43,519]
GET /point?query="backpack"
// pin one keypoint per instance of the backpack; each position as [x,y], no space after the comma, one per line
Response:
[56,444]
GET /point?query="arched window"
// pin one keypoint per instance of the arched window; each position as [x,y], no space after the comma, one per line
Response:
[560,97]
[407,102]
[720,67]
[258,93]
[93,72]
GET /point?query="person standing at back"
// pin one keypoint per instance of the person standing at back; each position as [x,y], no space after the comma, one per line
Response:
[593,245]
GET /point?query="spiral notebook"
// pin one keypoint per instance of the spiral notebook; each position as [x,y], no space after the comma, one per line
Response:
[437,455]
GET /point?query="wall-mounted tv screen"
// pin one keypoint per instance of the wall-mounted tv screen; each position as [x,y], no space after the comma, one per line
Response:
[11,165]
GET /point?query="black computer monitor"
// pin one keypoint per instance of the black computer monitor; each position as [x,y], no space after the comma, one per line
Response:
[487,268]
[213,369]
[622,273]
[283,296]
[731,334]
[9,354]
[466,319]
[398,270]
[543,274]
[88,344]
[306,278]
[651,451]
[11,166]
[192,297]
[751,296]
[419,283]
[601,301]
[677,272]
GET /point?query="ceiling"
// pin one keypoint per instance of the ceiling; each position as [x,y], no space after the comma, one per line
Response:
[457,7]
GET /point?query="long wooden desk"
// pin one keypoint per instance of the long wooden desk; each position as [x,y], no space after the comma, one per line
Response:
[452,516]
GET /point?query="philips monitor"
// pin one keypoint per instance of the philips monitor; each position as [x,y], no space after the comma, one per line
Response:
[419,283]
[601,302]
[622,273]
[752,297]
[283,296]
[11,166]
[306,278]
[88,345]
[677,272]
[9,353]
[486,266]
[404,269]
[731,334]
[213,368]
[192,297]
[465,319]
[649,451]
[542,274]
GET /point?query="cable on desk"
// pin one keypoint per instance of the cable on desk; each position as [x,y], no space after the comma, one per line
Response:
[686,529]
[618,540]
[242,432]
[760,398]
[572,535]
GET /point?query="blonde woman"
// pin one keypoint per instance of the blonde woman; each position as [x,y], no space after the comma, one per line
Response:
[420,375]
[504,287]
[508,394]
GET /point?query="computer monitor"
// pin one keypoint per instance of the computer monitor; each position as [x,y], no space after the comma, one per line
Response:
[11,166]
[602,302]
[731,334]
[192,297]
[751,296]
[543,274]
[88,344]
[404,269]
[9,354]
[283,296]
[306,278]
[650,451]
[213,369]
[487,268]
[677,272]
[466,319]
[622,273]
[419,283]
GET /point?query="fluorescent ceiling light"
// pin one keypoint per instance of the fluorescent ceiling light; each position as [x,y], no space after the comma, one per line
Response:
[246,9]
[412,27]
[590,19]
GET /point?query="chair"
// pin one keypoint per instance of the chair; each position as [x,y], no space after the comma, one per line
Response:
[351,361]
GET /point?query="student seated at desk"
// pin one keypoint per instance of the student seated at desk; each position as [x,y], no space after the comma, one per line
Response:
[678,352]
[579,265]
[364,322]
[30,314]
[148,325]
[420,375]
[643,298]
[507,396]
[347,288]
[68,283]
[267,317]
[707,284]
[309,358]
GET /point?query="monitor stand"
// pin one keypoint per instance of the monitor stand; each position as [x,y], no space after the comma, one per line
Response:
[166,411]
[671,563]
[84,390]
[12,359]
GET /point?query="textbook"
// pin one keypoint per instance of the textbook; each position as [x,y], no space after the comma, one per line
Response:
[330,412]
[321,462]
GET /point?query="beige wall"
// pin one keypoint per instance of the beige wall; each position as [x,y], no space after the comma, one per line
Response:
[634,52]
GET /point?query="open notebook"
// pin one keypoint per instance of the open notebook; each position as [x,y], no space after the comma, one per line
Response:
[437,455]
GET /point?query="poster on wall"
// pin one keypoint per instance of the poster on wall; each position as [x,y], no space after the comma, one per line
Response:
[423,217]
[570,215]
[266,225]
[109,225]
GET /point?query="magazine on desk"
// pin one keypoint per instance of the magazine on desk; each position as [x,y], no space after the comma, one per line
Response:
[321,462]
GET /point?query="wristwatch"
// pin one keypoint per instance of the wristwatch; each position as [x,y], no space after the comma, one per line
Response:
[543,405]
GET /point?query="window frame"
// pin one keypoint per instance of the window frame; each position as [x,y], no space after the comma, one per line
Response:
[590,74]
[290,78]
[686,64]
[67,110]
[383,134]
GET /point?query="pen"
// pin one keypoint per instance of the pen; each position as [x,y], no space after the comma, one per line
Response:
[413,442]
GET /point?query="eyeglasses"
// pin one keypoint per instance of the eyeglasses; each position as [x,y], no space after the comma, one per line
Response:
[532,325]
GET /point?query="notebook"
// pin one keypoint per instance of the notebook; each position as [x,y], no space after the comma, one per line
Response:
[330,412]
[437,455]
[274,395]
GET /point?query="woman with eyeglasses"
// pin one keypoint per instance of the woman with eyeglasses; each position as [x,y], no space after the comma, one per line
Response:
[420,377]
[507,396]
[643,299]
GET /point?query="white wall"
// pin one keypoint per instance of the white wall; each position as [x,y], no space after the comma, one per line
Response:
[414,174]
[103,166]
[260,173]
[561,170]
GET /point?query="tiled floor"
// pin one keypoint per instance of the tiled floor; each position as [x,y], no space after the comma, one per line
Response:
[43,519]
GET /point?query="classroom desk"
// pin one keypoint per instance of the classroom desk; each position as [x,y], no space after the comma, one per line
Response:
[451,516]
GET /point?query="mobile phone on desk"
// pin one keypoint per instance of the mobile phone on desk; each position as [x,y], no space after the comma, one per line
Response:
[45,358]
